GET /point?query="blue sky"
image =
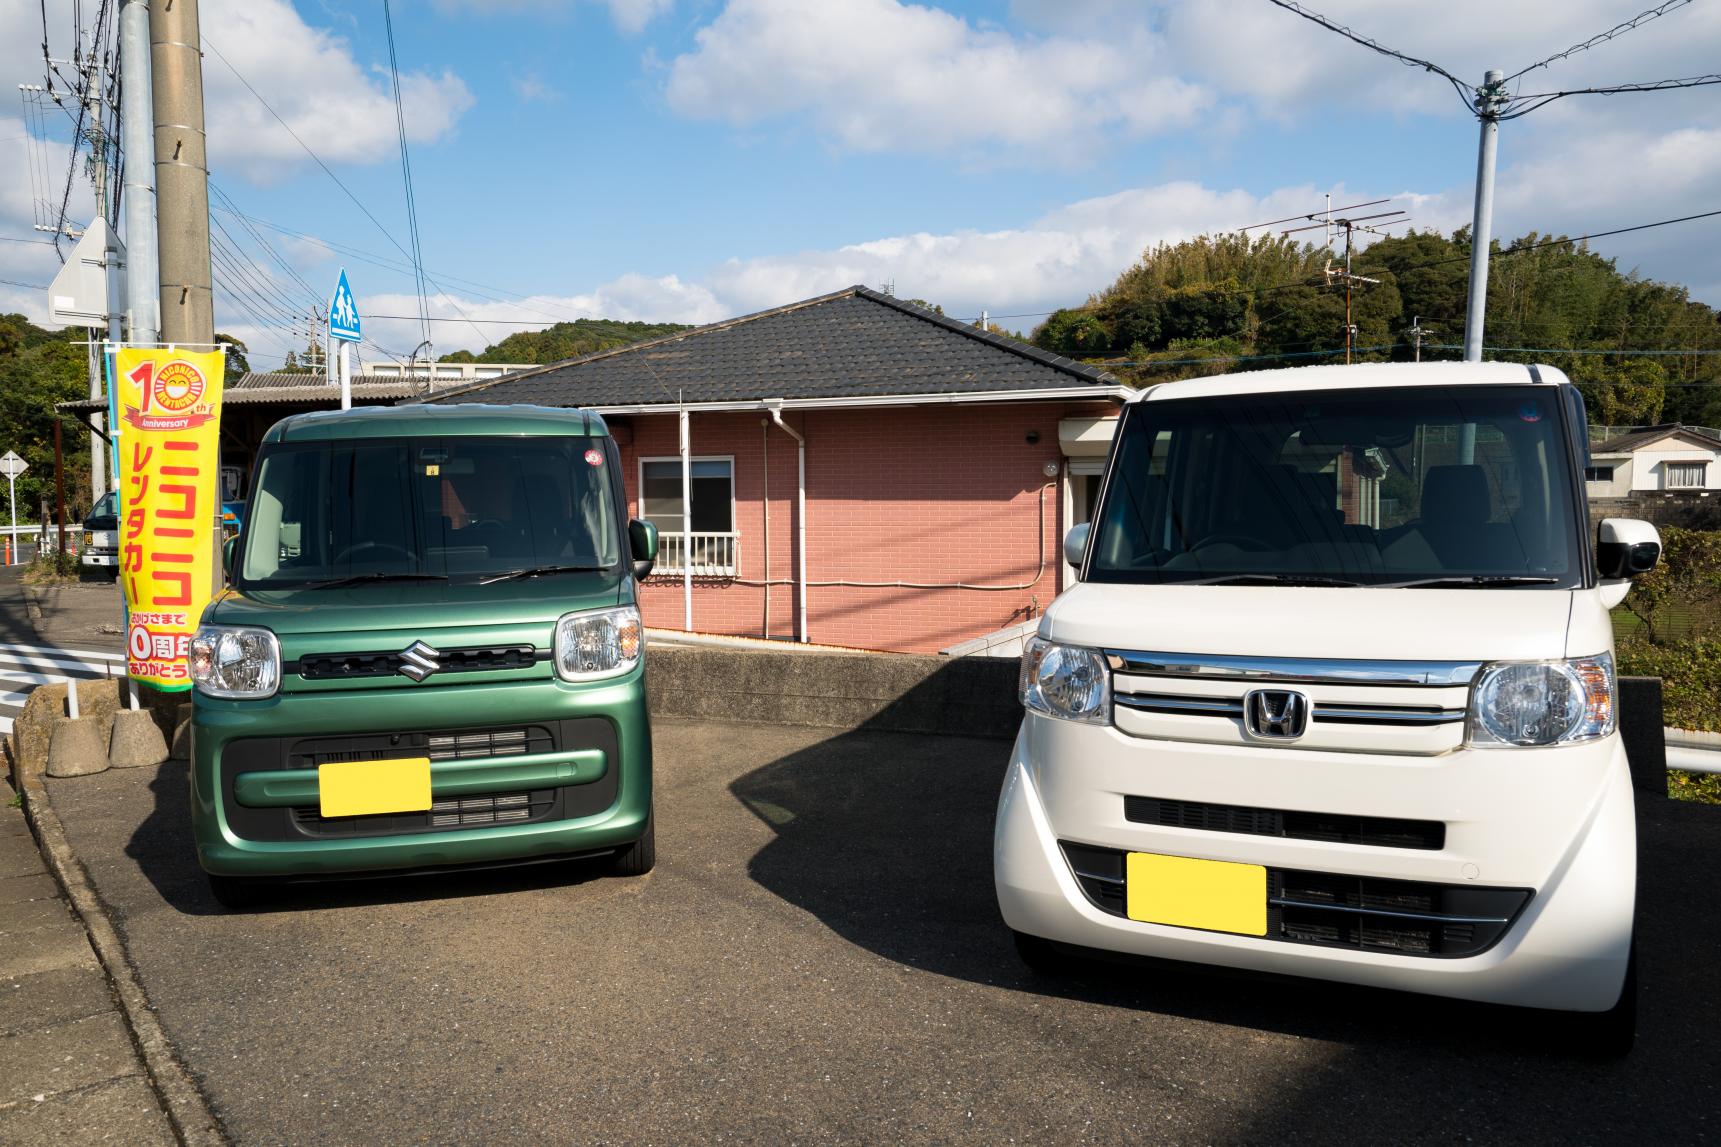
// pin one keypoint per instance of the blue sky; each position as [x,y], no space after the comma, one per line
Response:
[693,159]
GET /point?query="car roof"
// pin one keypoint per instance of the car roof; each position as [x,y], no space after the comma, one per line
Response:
[1357,376]
[456,419]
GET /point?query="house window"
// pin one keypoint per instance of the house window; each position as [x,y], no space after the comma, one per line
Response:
[1685,475]
[710,548]
[1598,473]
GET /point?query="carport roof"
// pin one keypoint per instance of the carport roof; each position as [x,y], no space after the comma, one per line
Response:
[852,346]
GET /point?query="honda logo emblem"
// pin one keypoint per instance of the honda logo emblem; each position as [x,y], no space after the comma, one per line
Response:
[419,661]
[1275,714]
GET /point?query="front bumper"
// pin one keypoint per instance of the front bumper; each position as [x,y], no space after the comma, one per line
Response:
[228,843]
[1558,822]
[105,558]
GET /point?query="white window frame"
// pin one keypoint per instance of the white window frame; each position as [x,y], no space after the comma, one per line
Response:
[733,567]
[1699,464]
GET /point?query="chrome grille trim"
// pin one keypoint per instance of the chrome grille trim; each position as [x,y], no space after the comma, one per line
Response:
[1348,714]
[1298,670]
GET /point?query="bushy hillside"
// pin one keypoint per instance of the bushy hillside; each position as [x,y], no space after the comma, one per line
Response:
[567,340]
[1229,302]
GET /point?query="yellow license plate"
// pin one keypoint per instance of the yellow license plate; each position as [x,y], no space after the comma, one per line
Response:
[1216,895]
[361,788]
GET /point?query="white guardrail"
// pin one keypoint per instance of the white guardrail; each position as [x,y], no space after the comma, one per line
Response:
[1693,752]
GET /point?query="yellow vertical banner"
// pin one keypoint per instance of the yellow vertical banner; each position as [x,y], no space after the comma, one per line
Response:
[170,404]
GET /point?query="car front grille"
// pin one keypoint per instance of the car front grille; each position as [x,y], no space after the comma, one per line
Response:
[1367,913]
[1382,832]
[475,659]
[462,812]
[477,810]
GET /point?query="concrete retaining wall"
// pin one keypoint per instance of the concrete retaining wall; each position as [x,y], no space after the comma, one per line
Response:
[970,697]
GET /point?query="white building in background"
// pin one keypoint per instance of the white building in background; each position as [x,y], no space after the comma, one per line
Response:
[1656,459]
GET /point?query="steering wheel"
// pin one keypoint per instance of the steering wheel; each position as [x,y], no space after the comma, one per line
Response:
[357,546]
[1241,541]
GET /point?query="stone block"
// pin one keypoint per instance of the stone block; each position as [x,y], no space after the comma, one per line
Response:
[33,731]
[78,747]
[136,740]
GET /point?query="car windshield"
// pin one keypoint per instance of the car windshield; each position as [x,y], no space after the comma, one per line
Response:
[106,506]
[1440,486]
[462,508]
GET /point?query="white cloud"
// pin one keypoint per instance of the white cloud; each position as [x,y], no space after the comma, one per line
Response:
[312,79]
[881,75]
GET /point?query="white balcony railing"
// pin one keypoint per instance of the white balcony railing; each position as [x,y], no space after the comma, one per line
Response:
[711,555]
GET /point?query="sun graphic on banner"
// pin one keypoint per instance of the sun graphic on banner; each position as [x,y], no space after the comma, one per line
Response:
[178,387]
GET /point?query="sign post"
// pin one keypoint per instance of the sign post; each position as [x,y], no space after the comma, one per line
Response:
[11,465]
[344,329]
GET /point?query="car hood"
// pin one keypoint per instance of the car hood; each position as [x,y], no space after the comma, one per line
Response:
[1360,623]
[422,608]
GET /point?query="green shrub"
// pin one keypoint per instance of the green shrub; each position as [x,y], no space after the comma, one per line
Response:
[1690,673]
[1681,597]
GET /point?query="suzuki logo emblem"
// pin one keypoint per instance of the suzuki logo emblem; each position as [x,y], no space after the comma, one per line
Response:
[1275,714]
[419,661]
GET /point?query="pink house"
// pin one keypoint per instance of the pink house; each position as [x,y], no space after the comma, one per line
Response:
[862,472]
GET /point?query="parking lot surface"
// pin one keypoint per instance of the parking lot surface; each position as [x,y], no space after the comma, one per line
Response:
[818,957]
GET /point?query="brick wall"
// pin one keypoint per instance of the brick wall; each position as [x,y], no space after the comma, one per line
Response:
[936,494]
[1688,509]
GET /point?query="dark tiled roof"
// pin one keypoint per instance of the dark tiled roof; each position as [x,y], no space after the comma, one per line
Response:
[297,390]
[1626,443]
[855,343]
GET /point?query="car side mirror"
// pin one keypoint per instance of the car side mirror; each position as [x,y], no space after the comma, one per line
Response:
[1626,548]
[642,543]
[1076,544]
[229,554]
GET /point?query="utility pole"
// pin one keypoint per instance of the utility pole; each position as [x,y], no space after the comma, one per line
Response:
[181,174]
[1351,227]
[137,136]
[1417,330]
[1491,100]
[97,135]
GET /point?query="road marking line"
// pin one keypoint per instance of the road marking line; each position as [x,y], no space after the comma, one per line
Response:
[99,654]
[19,661]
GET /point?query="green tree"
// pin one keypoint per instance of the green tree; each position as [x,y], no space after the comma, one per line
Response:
[237,364]
[1073,334]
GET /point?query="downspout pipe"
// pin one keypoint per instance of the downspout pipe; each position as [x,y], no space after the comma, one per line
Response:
[776,410]
[686,522]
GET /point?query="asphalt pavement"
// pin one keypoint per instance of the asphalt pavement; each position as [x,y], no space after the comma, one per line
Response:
[52,634]
[818,958]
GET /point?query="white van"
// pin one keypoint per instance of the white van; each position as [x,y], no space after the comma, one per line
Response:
[1335,695]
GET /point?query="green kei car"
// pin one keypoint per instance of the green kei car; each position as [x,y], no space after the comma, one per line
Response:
[430,653]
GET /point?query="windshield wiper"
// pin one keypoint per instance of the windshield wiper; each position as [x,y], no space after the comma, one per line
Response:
[537,571]
[1273,579]
[377,576]
[1476,581]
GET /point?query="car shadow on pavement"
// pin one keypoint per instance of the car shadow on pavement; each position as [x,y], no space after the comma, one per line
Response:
[161,847]
[887,838]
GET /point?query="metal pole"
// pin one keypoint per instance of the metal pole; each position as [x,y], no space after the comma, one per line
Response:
[12,498]
[1348,324]
[181,174]
[137,136]
[686,522]
[1488,101]
[346,378]
[59,488]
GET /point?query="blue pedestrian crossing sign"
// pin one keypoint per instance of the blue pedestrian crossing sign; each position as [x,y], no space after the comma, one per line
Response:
[343,313]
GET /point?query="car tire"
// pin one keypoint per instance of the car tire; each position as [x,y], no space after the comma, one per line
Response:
[1039,954]
[234,894]
[640,857]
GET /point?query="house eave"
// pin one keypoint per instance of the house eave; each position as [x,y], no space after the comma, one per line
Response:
[1064,393]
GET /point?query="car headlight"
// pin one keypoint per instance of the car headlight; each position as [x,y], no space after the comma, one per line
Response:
[598,643]
[1066,681]
[235,663]
[1543,702]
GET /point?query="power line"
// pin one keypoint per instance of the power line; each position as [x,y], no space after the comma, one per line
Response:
[1603,37]
[406,177]
[1542,99]
[1465,91]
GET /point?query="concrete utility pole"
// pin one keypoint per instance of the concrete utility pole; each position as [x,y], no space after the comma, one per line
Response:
[111,262]
[1490,101]
[181,174]
[137,136]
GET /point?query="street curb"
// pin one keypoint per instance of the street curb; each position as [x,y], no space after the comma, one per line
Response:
[187,1111]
